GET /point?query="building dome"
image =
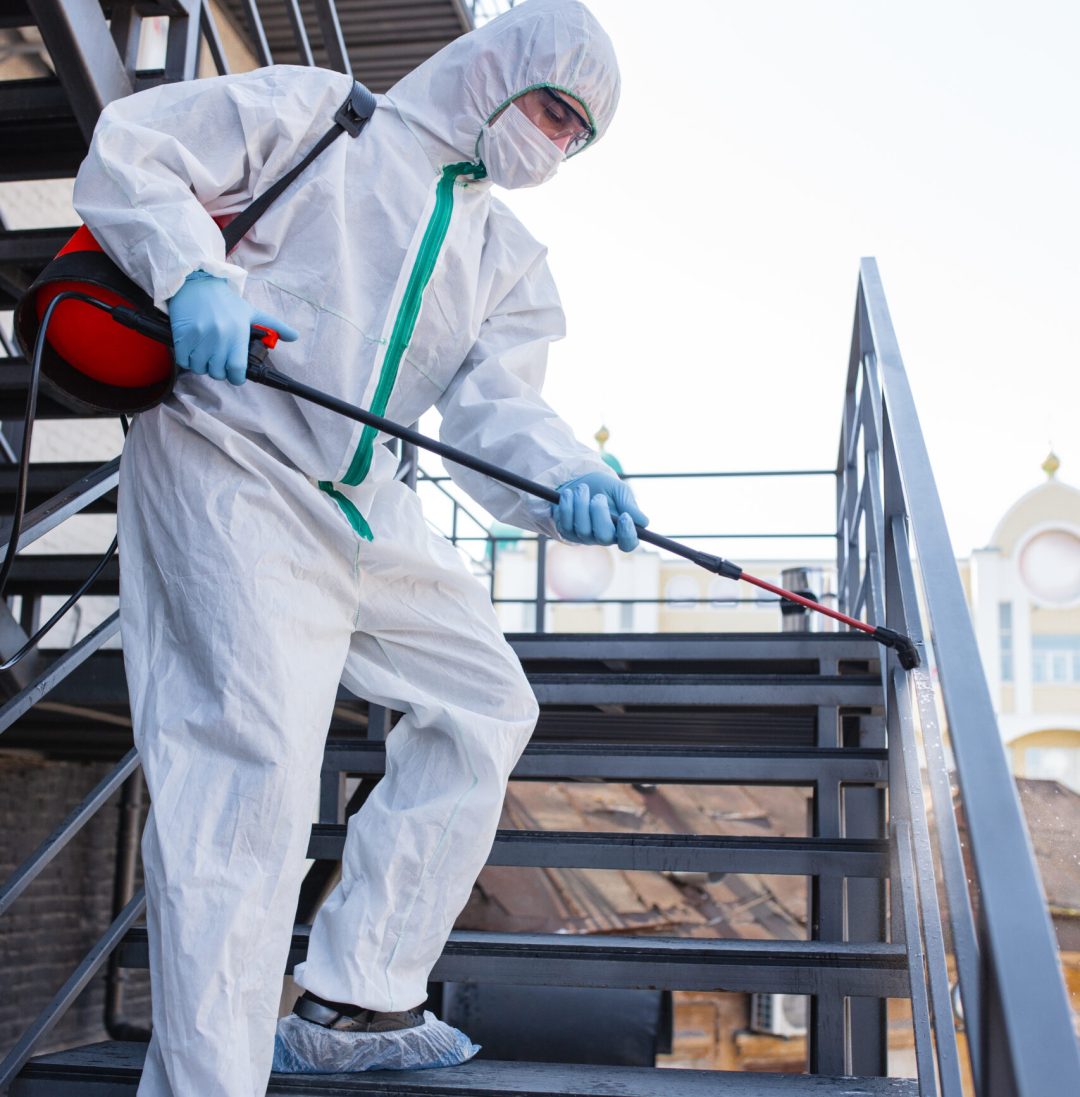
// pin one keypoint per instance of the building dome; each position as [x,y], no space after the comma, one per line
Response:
[609,459]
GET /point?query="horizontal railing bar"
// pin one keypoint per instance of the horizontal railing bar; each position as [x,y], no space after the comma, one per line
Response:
[698,475]
[76,983]
[732,475]
[56,672]
[34,865]
[530,537]
[638,601]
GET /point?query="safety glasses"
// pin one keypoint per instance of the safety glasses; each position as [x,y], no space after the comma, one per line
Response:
[558,120]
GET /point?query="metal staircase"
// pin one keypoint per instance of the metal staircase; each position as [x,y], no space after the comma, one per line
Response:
[890,897]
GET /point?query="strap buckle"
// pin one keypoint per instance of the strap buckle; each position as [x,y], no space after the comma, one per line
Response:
[354,113]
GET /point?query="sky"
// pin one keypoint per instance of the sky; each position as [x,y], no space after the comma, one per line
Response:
[707,249]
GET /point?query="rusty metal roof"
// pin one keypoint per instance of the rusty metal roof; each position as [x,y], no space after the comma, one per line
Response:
[664,904]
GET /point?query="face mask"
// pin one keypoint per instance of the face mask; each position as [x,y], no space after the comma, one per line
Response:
[516,154]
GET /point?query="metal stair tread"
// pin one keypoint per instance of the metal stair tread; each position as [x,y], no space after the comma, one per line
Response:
[676,963]
[656,765]
[680,688]
[112,1070]
[55,573]
[693,646]
[651,852]
[33,245]
[545,677]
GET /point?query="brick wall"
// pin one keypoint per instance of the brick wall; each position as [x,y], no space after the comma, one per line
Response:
[55,922]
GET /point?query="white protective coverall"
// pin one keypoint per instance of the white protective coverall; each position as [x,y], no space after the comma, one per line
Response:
[267,551]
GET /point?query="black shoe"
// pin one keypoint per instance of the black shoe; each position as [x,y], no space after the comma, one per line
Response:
[346,1018]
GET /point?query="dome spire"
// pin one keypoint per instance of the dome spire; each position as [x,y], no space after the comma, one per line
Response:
[609,459]
[1051,464]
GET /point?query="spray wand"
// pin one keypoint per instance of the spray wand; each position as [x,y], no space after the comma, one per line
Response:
[264,340]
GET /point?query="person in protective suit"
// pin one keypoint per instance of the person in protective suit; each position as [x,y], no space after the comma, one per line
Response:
[269,553]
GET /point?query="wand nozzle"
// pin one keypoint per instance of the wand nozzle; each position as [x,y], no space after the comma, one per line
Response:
[904,646]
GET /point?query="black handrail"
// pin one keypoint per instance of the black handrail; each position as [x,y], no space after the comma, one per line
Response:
[1018,1018]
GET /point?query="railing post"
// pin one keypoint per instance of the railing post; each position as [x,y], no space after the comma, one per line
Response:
[494,557]
[541,584]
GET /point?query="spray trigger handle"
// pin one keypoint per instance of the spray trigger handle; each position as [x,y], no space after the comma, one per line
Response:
[267,336]
[263,340]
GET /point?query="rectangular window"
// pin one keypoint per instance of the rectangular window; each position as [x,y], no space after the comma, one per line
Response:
[1056,659]
[1005,632]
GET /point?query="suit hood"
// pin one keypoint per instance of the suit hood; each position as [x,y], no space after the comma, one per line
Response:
[447,100]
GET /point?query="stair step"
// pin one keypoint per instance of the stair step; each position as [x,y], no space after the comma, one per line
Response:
[661,690]
[663,852]
[112,1070]
[765,728]
[802,652]
[38,132]
[32,247]
[49,573]
[656,765]
[646,963]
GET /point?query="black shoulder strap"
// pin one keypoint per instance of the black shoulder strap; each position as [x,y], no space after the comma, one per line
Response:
[351,117]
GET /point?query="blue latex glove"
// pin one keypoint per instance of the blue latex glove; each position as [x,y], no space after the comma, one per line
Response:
[598,509]
[211,327]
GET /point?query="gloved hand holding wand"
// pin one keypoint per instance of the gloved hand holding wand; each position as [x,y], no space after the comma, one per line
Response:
[569,503]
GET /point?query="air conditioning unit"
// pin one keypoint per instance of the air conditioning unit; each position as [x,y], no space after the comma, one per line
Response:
[779,1014]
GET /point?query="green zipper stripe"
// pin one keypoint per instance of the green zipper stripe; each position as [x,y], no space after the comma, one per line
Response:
[349,509]
[405,322]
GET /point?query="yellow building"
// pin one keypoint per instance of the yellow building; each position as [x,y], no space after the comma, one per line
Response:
[1024,590]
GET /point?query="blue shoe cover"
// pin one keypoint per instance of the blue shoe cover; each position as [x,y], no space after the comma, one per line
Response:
[301,1047]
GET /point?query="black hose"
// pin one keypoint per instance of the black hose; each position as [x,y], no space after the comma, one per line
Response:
[19,512]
